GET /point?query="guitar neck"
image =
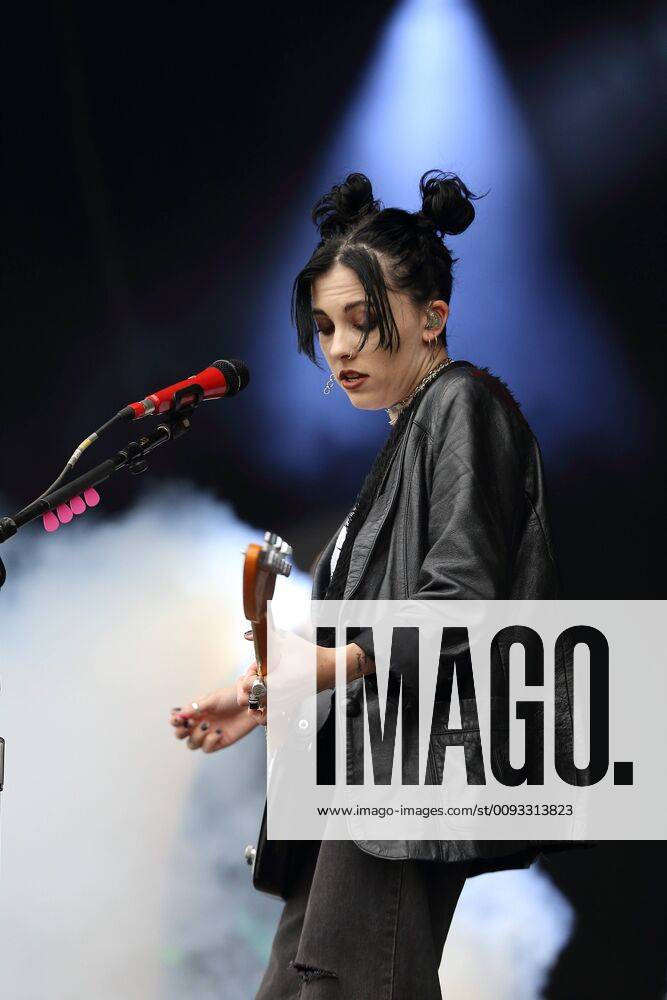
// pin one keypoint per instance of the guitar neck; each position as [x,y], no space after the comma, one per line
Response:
[259,633]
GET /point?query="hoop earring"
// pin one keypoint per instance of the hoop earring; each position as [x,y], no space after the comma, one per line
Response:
[330,383]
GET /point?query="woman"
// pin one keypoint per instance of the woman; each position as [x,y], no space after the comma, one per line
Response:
[453,507]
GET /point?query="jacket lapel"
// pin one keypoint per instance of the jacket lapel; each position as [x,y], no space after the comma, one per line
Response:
[369,532]
[368,535]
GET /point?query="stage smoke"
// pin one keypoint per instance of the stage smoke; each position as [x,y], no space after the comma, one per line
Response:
[122,872]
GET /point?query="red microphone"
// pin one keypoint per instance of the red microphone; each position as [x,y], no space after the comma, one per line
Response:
[222,378]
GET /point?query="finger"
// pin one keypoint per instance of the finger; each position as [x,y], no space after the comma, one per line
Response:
[214,740]
[241,693]
[198,708]
[259,715]
[248,635]
[183,728]
[244,686]
[197,735]
[181,732]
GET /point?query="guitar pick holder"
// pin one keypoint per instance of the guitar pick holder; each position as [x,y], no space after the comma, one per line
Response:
[60,506]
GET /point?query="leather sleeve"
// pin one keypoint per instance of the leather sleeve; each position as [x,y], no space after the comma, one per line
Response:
[476,474]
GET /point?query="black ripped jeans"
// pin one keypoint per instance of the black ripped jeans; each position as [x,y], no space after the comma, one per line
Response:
[359,927]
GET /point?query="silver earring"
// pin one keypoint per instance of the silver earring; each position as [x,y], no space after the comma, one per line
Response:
[330,383]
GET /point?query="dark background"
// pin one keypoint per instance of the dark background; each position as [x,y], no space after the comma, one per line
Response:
[151,154]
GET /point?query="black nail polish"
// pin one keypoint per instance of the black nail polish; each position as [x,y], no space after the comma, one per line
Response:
[177,709]
[204,726]
[218,732]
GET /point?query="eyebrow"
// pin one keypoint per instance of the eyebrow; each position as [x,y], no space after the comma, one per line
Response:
[348,307]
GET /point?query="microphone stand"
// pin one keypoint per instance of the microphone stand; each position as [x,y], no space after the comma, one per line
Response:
[133,456]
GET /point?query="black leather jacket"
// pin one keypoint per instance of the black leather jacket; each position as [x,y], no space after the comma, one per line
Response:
[461,514]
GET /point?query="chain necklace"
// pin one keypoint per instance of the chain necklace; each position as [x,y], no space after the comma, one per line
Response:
[395,410]
[397,407]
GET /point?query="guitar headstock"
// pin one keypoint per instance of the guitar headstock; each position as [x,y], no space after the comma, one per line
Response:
[263,564]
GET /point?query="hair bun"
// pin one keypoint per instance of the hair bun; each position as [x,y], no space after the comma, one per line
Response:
[344,205]
[446,202]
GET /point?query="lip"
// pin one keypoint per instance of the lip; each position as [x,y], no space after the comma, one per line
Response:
[351,384]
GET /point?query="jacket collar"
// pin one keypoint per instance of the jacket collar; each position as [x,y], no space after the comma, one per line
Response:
[365,541]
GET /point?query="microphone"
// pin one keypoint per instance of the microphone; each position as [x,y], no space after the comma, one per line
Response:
[222,378]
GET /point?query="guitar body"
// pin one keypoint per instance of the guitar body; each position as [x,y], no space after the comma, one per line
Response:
[274,864]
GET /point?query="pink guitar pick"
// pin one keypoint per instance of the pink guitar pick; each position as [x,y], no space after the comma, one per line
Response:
[64,513]
[77,505]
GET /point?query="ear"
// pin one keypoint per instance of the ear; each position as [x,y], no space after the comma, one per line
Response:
[431,328]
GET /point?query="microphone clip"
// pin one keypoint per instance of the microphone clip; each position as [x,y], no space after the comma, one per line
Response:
[185,402]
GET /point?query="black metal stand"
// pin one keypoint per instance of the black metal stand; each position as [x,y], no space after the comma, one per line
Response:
[133,456]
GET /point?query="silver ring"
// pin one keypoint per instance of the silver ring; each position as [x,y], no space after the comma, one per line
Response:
[195,705]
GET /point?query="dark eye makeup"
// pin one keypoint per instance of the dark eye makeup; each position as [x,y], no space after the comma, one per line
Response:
[365,326]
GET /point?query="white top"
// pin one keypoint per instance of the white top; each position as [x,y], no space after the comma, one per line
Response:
[338,546]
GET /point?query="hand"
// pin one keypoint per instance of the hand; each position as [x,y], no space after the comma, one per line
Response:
[213,722]
[292,672]
[243,688]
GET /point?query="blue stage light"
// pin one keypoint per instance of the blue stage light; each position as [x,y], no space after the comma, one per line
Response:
[435,95]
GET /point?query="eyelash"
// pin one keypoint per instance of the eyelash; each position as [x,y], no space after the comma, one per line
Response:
[361,329]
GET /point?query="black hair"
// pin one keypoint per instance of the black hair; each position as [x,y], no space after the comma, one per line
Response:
[358,232]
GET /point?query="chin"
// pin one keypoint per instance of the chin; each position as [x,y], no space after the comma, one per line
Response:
[368,403]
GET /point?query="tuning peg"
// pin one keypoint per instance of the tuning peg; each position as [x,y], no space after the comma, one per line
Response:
[285,549]
[249,854]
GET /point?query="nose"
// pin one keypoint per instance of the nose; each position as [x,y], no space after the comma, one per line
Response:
[343,345]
